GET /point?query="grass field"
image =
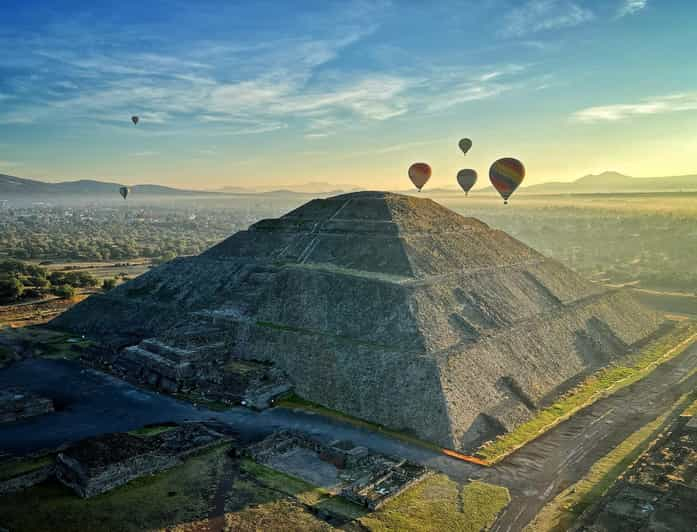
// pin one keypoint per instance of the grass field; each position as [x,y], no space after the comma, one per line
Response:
[603,382]
[303,491]
[564,509]
[437,504]
[178,495]
[292,401]
[15,468]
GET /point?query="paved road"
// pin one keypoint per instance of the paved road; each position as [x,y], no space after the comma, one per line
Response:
[90,403]
[545,467]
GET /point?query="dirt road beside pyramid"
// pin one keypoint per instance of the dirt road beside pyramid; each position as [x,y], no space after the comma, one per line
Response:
[390,308]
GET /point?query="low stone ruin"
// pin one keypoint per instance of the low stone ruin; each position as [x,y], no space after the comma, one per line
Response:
[352,471]
[181,365]
[100,464]
[658,492]
[17,404]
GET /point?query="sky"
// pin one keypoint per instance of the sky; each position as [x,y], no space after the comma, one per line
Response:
[246,94]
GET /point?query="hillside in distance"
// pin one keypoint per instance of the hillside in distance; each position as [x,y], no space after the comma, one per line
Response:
[614,182]
[21,187]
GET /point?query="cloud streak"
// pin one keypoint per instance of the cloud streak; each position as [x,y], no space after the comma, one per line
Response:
[631,7]
[544,15]
[612,113]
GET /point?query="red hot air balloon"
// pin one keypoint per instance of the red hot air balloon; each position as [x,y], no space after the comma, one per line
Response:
[419,173]
[466,179]
[506,174]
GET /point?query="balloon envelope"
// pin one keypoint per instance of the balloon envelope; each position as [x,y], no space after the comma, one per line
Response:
[466,179]
[419,173]
[135,120]
[465,145]
[124,192]
[506,174]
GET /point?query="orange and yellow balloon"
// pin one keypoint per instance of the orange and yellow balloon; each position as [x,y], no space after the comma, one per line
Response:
[506,174]
[419,173]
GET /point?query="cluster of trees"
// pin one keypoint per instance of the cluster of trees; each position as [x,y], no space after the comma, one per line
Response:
[655,248]
[105,235]
[19,280]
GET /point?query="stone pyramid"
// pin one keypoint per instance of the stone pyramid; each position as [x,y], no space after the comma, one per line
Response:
[387,307]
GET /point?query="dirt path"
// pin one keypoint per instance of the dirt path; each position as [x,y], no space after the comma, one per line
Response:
[216,517]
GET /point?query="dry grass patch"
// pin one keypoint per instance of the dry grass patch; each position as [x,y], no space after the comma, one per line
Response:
[437,503]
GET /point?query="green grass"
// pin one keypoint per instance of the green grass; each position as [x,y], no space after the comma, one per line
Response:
[603,382]
[295,487]
[178,495]
[15,468]
[194,398]
[242,367]
[437,504]
[292,401]
[149,432]
[303,491]
[560,514]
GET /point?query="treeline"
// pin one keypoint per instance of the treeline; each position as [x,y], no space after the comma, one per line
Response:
[20,281]
[96,235]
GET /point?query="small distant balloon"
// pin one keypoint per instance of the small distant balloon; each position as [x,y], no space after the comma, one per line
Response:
[465,145]
[135,120]
[506,174]
[466,179]
[419,173]
[124,192]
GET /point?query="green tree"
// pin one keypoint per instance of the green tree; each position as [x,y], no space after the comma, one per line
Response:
[108,284]
[64,291]
[11,289]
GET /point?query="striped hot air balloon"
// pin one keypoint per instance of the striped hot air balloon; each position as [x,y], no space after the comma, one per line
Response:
[419,173]
[506,174]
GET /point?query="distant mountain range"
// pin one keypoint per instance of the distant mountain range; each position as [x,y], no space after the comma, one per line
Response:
[614,182]
[607,182]
[18,186]
[314,187]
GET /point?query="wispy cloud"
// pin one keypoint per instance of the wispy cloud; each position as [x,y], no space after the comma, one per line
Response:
[77,74]
[663,104]
[541,15]
[10,164]
[145,154]
[630,7]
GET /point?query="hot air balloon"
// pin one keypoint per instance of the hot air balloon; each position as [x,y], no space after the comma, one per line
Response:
[135,120]
[124,192]
[465,145]
[506,174]
[466,179]
[419,173]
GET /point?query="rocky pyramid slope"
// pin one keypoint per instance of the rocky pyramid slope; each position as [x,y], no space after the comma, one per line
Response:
[390,308]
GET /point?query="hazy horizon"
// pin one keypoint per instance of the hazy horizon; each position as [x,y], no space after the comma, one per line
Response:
[345,93]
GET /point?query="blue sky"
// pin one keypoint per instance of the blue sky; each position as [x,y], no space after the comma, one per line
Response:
[276,93]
